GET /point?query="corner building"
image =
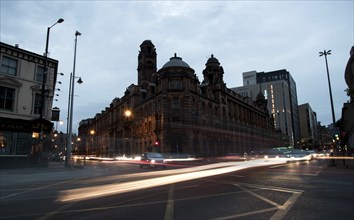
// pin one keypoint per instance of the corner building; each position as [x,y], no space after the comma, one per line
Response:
[171,111]
[21,78]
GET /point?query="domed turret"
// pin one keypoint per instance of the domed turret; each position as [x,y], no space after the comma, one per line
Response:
[212,61]
[147,43]
[213,72]
[176,62]
[176,67]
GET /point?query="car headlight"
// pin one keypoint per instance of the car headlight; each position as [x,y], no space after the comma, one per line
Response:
[152,161]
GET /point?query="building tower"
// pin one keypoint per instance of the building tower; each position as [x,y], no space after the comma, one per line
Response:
[213,77]
[146,63]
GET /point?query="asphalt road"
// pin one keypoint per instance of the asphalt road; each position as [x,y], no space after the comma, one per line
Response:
[301,190]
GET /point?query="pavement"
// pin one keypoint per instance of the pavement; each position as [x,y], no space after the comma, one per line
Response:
[52,167]
[341,162]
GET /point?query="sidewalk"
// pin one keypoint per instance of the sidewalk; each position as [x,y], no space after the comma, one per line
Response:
[342,163]
[52,167]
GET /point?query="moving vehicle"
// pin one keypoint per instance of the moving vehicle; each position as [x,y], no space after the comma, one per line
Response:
[152,159]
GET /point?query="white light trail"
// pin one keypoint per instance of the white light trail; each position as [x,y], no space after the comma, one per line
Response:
[193,173]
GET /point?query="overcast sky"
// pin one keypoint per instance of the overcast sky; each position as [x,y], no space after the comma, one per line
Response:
[242,35]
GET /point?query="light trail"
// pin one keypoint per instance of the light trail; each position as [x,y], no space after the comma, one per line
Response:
[194,173]
[335,158]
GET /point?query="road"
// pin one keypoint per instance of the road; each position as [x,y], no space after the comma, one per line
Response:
[299,190]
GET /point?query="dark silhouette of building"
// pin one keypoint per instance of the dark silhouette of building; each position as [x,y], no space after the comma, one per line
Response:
[171,111]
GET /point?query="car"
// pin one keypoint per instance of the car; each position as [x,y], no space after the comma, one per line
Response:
[312,153]
[323,153]
[152,159]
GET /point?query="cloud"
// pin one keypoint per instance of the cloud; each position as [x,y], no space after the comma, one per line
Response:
[242,35]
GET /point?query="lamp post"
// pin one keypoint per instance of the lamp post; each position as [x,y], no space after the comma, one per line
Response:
[325,53]
[70,107]
[92,147]
[41,112]
[127,115]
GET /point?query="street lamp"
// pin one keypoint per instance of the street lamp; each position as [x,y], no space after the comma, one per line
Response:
[127,114]
[325,53]
[70,107]
[92,147]
[60,20]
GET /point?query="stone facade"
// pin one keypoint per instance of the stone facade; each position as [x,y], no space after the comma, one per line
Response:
[171,111]
[21,79]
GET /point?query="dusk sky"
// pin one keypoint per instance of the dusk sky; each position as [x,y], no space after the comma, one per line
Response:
[242,35]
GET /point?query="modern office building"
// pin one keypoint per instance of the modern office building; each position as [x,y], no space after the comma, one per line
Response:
[21,80]
[279,88]
[171,111]
[308,127]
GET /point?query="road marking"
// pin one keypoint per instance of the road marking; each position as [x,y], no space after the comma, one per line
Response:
[282,210]
[304,173]
[34,189]
[281,213]
[276,166]
[170,203]
[236,175]
[246,214]
[50,214]
[273,188]
[259,196]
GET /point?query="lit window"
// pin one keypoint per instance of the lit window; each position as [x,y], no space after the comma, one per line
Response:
[9,66]
[7,98]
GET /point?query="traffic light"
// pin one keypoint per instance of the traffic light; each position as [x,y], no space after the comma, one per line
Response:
[157,146]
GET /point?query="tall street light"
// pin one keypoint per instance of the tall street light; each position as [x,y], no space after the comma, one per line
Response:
[325,53]
[70,113]
[41,112]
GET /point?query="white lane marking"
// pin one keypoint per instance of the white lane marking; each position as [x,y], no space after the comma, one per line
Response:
[281,213]
[305,173]
[34,189]
[276,166]
[236,175]
[51,214]
[272,188]
[259,196]
[170,203]
[246,214]
[282,210]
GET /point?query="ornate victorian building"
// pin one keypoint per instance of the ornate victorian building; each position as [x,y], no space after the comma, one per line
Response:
[171,111]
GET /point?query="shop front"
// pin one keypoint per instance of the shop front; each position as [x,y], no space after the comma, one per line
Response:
[21,143]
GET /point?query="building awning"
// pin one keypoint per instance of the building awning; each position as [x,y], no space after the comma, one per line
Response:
[21,125]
